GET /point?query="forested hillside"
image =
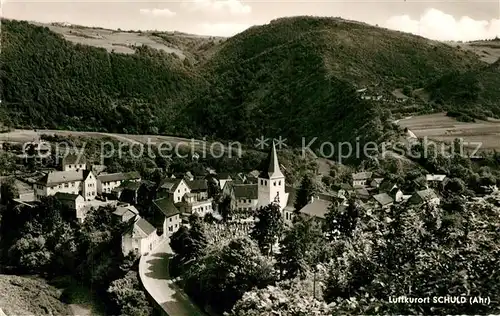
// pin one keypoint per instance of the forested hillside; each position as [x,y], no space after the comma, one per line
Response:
[294,77]
[49,82]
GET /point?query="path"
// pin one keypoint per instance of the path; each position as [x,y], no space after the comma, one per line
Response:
[153,271]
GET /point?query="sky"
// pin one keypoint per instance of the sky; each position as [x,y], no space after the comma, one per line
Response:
[459,20]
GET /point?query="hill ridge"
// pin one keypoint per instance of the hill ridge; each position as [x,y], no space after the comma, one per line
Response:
[293,76]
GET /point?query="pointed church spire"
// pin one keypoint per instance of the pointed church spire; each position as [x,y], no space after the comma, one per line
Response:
[272,165]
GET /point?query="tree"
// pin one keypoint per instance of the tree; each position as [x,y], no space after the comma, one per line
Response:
[181,243]
[455,186]
[128,297]
[304,193]
[197,236]
[268,227]
[291,298]
[225,208]
[299,249]
[222,277]
[340,221]
[8,191]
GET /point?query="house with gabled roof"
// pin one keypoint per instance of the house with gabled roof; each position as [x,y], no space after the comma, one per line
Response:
[74,202]
[223,178]
[387,186]
[140,237]
[435,177]
[127,191]
[73,182]
[192,205]
[375,183]
[173,188]
[74,162]
[362,193]
[383,200]
[171,215]
[109,181]
[199,187]
[316,208]
[427,196]
[125,212]
[361,179]
[245,196]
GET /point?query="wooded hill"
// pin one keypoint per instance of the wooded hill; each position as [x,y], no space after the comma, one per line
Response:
[294,77]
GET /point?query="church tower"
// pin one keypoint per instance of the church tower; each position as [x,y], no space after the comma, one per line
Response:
[271,185]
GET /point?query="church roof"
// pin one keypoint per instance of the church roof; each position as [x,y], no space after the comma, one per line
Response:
[271,168]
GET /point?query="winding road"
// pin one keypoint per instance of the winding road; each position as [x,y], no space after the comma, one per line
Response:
[153,271]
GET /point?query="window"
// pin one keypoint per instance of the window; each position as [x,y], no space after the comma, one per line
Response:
[170,219]
[66,185]
[179,191]
[265,182]
[176,225]
[261,182]
[279,182]
[274,183]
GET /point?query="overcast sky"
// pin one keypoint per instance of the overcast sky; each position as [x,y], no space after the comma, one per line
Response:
[442,20]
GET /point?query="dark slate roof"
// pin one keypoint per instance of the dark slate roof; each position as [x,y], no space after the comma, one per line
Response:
[291,197]
[121,210]
[345,186]
[197,185]
[58,177]
[65,196]
[74,159]
[271,167]
[362,193]
[170,184]
[426,194]
[383,199]
[223,176]
[166,206]
[246,191]
[145,226]
[386,185]
[110,177]
[317,208]
[131,185]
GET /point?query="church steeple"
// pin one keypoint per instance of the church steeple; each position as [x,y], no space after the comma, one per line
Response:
[271,168]
[271,183]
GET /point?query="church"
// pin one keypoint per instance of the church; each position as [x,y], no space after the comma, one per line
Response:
[270,188]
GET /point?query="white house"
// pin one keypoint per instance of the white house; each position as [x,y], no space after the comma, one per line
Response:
[172,219]
[74,162]
[174,188]
[72,182]
[140,238]
[246,196]
[360,179]
[194,206]
[109,181]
